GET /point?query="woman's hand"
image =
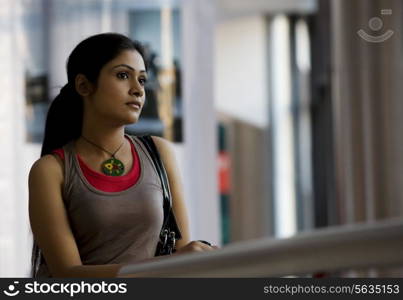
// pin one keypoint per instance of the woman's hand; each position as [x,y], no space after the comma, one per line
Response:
[195,246]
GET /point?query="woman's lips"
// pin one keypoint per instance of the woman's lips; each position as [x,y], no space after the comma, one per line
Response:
[134,105]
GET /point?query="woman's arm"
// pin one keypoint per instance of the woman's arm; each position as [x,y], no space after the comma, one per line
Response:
[175,184]
[50,225]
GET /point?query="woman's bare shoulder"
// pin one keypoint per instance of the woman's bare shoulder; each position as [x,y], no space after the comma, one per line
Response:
[48,166]
[162,144]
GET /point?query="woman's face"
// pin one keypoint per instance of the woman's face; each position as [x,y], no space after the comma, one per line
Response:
[119,95]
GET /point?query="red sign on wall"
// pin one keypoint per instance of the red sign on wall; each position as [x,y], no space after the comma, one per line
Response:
[224,172]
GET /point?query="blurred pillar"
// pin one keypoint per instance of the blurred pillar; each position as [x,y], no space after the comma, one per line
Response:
[200,124]
[167,74]
[13,173]
[302,101]
[368,108]
[285,206]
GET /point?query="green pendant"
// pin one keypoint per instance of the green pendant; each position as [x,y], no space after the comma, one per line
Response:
[113,167]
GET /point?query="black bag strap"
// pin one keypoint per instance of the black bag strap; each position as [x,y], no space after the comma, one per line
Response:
[169,218]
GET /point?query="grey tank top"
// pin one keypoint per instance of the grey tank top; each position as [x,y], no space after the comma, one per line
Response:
[112,227]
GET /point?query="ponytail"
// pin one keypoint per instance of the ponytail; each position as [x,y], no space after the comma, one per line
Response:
[63,124]
[64,120]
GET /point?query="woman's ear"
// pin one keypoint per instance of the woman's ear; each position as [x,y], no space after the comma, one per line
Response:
[83,86]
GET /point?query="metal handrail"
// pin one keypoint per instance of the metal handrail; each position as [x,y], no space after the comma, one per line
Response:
[331,249]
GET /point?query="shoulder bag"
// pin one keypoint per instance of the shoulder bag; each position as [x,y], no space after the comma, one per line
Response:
[170,232]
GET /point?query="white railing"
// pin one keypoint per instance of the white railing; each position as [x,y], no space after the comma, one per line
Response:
[330,249]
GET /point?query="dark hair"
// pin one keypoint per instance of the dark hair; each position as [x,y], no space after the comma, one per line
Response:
[65,114]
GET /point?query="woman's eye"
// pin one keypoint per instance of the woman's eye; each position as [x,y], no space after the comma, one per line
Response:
[123,75]
[142,81]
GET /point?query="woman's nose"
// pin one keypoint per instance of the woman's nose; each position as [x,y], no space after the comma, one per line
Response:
[137,93]
[137,90]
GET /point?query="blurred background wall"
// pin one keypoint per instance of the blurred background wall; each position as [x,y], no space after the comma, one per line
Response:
[285,114]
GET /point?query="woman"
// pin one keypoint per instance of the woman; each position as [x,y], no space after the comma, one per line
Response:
[95,199]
